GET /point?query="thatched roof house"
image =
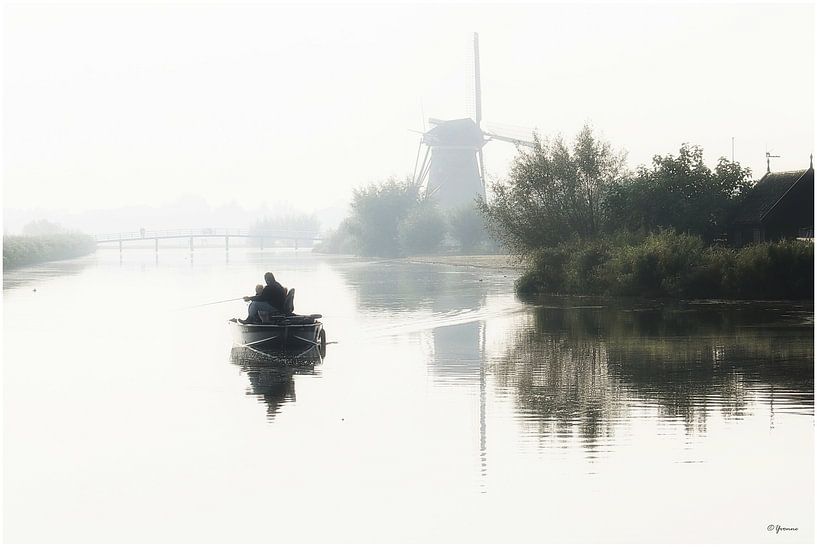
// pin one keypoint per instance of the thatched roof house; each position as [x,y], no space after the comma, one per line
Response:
[779,206]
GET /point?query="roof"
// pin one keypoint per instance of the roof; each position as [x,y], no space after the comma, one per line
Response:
[462,132]
[764,196]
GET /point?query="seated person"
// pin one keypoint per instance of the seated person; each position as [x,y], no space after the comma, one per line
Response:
[270,299]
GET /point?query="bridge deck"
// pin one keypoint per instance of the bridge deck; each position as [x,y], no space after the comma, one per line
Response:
[207,232]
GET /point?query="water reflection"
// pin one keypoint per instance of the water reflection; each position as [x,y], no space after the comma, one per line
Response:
[34,274]
[456,300]
[581,368]
[453,297]
[271,374]
[390,286]
[442,386]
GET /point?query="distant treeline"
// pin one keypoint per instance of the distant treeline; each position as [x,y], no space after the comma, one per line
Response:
[31,249]
[293,222]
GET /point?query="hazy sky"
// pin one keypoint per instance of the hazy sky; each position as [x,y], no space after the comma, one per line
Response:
[109,105]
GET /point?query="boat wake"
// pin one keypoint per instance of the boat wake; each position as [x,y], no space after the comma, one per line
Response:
[440,319]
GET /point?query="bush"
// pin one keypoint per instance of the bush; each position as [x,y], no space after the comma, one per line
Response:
[23,250]
[585,268]
[664,264]
[774,270]
[668,264]
[546,272]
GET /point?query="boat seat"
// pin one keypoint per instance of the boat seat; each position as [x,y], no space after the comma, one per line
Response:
[289,302]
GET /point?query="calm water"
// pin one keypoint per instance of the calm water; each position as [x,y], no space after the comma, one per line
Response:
[447,410]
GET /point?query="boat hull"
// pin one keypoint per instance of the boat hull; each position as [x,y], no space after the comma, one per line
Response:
[277,335]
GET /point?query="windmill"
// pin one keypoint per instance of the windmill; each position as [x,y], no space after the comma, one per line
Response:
[453,170]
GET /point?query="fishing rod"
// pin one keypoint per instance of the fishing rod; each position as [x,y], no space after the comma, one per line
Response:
[211,303]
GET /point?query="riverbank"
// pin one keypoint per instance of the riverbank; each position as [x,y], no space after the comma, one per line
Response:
[26,250]
[494,262]
[672,265]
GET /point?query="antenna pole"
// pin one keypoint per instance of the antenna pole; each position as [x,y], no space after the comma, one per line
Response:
[477,86]
[733,149]
[768,162]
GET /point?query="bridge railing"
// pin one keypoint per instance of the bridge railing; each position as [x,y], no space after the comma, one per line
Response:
[207,232]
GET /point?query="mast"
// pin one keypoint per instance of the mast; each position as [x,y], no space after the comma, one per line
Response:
[477,85]
[478,108]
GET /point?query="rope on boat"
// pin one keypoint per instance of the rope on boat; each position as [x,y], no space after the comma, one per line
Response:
[248,344]
[306,340]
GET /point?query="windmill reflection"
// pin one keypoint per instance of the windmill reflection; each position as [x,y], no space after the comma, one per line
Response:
[271,375]
[458,348]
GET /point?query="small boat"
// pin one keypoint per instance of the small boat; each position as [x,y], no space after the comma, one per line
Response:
[280,332]
[286,332]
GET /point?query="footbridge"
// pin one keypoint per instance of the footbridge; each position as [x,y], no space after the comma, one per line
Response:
[259,237]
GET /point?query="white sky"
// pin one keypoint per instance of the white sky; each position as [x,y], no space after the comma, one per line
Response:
[111,105]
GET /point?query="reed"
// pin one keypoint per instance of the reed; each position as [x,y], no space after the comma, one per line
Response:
[669,264]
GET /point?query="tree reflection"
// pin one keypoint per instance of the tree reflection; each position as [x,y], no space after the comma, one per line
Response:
[33,274]
[578,365]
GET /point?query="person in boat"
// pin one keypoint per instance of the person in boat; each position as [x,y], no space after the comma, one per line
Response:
[271,299]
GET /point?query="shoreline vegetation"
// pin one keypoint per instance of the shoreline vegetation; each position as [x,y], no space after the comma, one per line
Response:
[672,265]
[588,226]
[663,265]
[24,250]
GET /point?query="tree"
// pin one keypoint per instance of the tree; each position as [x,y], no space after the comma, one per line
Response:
[339,241]
[466,226]
[422,230]
[679,192]
[377,212]
[554,193]
[42,227]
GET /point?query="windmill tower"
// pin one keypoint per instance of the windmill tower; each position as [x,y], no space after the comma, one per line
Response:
[453,170]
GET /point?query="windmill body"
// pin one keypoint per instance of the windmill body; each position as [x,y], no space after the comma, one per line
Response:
[454,174]
[452,169]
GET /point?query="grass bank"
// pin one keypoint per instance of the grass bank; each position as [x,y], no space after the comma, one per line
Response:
[24,250]
[668,264]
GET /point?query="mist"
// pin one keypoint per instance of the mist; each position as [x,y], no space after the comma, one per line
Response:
[113,113]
